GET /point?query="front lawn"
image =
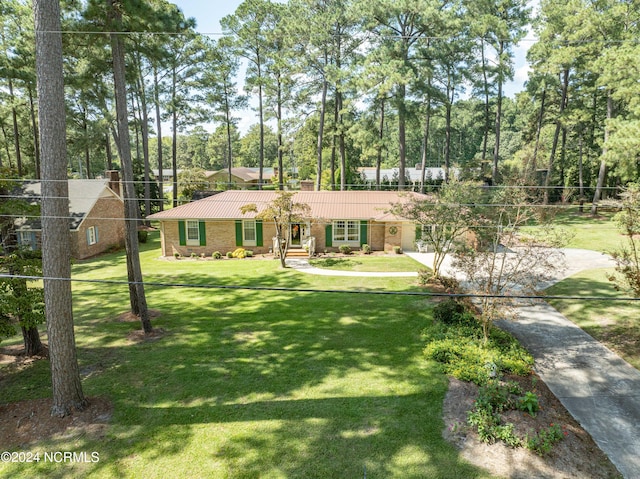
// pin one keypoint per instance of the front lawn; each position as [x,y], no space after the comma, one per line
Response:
[598,233]
[250,383]
[614,323]
[362,263]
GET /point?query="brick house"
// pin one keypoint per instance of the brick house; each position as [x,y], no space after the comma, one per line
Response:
[337,218]
[96,217]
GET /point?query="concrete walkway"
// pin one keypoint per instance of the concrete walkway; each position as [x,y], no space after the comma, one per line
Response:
[303,265]
[598,388]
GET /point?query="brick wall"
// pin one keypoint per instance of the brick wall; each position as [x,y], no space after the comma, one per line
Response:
[108,215]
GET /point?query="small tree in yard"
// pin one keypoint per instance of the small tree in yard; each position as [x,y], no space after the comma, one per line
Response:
[506,261]
[444,218]
[21,303]
[627,258]
[283,211]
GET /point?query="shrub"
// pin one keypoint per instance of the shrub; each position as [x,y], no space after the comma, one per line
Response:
[216,255]
[176,255]
[366,249]
[193,255]
[239,253]
[229,254]
[249,253]
[449,311]
[142,236]
[397,250]
[345,249]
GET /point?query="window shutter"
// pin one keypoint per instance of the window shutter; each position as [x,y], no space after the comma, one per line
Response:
[34,241]
[363,232]
[328,235]
[203,233]
[418,232]
[95,232]
[258,232]
[88,236]
[238,232]
[182,234]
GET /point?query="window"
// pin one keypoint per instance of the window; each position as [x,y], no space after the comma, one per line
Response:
[26,239]
[249,233]
[193,232]
[92,235]
[346,230]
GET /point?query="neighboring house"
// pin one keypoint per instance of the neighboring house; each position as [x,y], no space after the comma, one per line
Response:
[414,174]
[241,177]
[96,218]
[337,218]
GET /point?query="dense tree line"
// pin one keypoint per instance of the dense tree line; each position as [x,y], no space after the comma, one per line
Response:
[339,84]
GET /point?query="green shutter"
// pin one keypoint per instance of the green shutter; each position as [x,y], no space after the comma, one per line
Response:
[182,233]
[203,233]
[238,232]
[328,233]
[418,232]
[363,232]
[258,232]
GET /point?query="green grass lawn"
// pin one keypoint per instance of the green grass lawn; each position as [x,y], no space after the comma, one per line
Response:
[395,262]
[251,384]
[598,233]
[614,323]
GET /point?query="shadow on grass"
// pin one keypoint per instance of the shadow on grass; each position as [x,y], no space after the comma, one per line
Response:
[261,383]
[335,263]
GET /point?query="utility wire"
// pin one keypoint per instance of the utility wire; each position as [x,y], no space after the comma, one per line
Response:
[314,290]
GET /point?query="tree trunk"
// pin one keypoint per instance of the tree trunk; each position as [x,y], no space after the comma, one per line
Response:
[144,131]
[323,106]
[134,271]
[485,84]
[34,126]
[107,148]
[16,132]
[496,149]
[174,143]
[280,141]
[556,135]
[261,119]
[602,173]
[32,344]
[380,139]
[156,98]
[425,141]
[56,262]
[402,135]
[534,162]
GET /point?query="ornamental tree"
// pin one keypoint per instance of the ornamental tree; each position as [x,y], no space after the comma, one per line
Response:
[283,211]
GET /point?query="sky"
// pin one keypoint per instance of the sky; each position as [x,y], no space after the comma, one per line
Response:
[208,14]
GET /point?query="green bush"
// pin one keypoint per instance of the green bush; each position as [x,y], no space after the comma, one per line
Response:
[366,249]
[529,403]
[249,253]
[345,249]
[460,349]
[449,311]
[142,236]
[397,250]
[542,442]
[229,254]
[216,255]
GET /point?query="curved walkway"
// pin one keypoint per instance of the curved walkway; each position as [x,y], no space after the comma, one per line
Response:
[598,388]
[303,265]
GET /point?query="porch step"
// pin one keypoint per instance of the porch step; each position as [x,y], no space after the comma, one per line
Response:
[297,253]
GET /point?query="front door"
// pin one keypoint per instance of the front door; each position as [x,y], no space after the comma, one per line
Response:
[296,234]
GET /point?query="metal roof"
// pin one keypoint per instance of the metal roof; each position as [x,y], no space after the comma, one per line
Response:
[370,205]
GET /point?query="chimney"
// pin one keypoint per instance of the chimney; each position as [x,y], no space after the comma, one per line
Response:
[306,185]
[114,181]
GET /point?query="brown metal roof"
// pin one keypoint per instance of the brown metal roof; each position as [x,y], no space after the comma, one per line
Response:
[370,205]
